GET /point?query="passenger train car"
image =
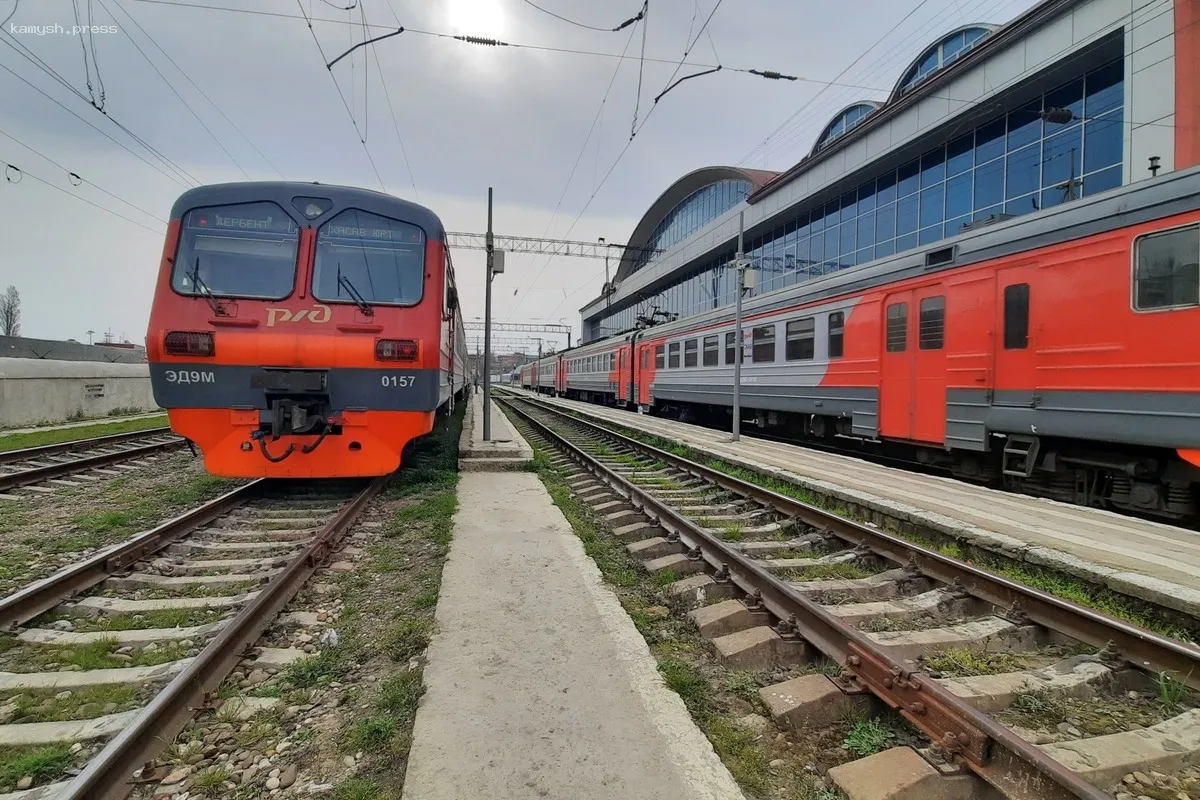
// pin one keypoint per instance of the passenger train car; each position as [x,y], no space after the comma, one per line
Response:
[302,330]
[1057,353]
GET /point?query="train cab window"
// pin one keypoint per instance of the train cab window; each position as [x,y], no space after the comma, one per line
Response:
[660,357]
[1168,269]
[897,327]
[837,327]
[801,340]
[369,257]
[730,347]
[933,323]
[1016,316]
[764,344]
[689,353]
[243,250]
[673,355]
[711,351]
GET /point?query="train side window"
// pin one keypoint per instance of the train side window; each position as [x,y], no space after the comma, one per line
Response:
[1016,316]
[801,339]
[612,361]
[660,357]
[1167,269]
[837,326]
[764,344]
[689,353]
[711,351]
[730,348]
[932,334]
[897,327]
[673,355]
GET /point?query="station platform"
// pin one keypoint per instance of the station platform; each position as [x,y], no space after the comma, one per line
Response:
[506,450]
[1155,562]
[538,683]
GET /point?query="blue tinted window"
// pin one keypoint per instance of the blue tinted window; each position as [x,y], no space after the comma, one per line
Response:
[866,230]
[955,226]
[849,206]
[1022,205]
[933,167]
[1103,142]
[833,213]
[866,197]
[989,184]
[907,178]
[906,214]
[1069,97]
[1105,89]
[960,154]
[884,249]
[379,259]
[1062,157]
[958,195]
[885,223]
[846,244]
[886,192]
[1102,181]
[931,235]
[933,204]
[818,221]
[1024,125]
[832,247]
[906,242]
[989,141]
[1023,172]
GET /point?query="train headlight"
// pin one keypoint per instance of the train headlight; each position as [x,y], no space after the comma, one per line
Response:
[396,350]
[189,343]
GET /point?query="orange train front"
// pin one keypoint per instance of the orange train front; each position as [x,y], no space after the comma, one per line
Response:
[302,330]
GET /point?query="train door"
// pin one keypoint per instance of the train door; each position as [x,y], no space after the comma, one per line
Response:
[635,363]
[929,364]
[1015,378]
[896,368]
[622,365]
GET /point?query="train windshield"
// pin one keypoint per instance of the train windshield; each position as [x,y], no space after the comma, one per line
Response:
[244,250]
[361,255]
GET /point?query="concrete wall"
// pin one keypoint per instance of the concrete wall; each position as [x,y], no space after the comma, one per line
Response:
[38,390]
[21,347]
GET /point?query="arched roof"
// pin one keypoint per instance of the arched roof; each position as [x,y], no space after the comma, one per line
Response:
[848,119]
[960,39]
[676,194]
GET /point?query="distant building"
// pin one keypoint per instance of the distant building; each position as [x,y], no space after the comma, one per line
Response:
[71,350]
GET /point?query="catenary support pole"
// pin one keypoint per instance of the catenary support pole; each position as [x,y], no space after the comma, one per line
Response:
[739,265]
[487,330]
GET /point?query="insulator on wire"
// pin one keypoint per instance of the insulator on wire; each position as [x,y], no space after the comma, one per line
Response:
[772,75]
[481,40]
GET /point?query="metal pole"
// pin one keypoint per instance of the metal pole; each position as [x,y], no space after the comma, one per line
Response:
[487,331]
[740,267]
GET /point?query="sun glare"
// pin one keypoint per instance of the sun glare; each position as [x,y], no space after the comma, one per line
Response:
[477,17]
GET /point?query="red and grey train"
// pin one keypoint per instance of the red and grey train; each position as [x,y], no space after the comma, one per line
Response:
[1057,353]
[301,330]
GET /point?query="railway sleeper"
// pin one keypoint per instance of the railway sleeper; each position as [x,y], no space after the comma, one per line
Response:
[974,635]
[932,605]
[1077,676]
[881,586]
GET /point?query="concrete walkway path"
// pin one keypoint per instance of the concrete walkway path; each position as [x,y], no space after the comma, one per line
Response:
[539,686]
[83,424]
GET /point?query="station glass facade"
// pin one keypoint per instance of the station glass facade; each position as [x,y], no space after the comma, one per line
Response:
[1014,164]
[693,213]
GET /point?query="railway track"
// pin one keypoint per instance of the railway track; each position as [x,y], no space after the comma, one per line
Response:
[84,459]
[176,609]
[1037,696]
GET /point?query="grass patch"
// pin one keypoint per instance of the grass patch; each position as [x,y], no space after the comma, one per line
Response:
[43,705]
[870,736]
[43,764]
[165,618]
[20,441]
[847,570]
[357,789]
[958,662]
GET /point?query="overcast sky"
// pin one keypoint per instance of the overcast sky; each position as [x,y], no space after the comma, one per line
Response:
[469,117]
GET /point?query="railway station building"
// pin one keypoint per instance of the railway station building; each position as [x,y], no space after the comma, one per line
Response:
[1070,99]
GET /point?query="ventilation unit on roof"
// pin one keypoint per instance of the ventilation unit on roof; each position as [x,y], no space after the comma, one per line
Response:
[994,219]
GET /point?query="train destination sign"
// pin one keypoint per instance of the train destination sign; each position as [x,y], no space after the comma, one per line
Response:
[252,217]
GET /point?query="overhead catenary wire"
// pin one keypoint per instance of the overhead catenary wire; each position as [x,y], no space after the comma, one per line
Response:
[22,173]
[342,95]
[631,21]
[392,110]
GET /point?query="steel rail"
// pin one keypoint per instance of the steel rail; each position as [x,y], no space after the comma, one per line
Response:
[24,454]
[108,776]
[1015,767]
[1142,647]
[38,474]
[36,598]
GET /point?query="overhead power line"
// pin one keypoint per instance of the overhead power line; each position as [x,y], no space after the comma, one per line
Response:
[631,21]
[14,174]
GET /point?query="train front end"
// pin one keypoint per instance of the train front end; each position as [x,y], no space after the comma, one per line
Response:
[301,330]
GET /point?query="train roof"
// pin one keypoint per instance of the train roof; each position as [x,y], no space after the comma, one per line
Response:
[284,192]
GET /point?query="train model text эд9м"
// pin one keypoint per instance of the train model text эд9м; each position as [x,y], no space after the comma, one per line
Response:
[302,330]
[1056,353]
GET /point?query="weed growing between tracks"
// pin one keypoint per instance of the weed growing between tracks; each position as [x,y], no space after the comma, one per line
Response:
[19,441]
[1081,592]
[385,625]
[724,703]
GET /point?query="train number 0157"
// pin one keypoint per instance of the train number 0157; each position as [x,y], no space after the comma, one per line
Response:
[403,381]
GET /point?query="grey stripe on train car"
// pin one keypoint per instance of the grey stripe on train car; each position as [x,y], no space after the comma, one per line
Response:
[860,403]
[1161,419]
[229,386]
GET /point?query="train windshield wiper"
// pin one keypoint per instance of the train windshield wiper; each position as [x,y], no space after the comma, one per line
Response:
[363,305]
[217,306]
